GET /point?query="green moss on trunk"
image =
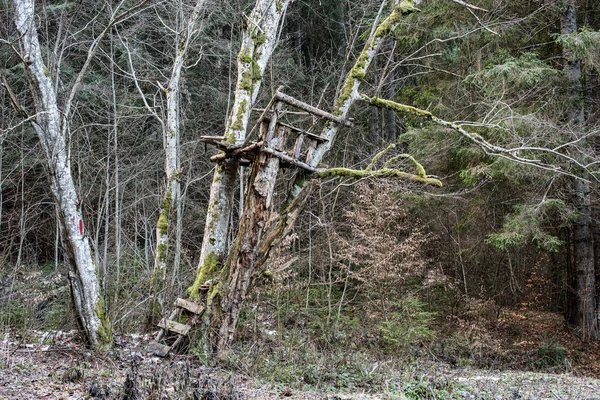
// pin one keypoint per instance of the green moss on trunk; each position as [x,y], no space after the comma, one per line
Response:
[163,223]
[208,270]
[105,334]
[239,121]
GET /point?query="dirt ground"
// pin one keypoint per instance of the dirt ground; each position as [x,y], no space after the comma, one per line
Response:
[60,368]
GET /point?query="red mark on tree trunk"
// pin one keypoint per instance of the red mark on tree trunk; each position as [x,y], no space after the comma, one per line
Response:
[81,227]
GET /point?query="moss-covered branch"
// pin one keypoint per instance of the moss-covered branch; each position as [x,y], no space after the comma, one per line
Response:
[380,173]
[379,155]
[487,147]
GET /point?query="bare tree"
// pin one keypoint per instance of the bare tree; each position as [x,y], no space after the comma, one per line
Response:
[229,273]
[171,130]
[52,124]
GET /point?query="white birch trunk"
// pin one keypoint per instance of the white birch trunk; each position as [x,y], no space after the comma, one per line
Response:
[258,43]
[51,131]
[171,135]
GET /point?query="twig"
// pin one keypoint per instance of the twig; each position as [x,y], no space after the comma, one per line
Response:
[469,6]
[555,395]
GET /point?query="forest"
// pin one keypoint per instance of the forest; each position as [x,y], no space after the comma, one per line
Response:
[340,199]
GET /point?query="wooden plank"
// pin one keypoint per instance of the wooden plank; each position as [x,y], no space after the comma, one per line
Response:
[300,113]
[288,159]
[298,146]
[157,349]
[162,332]
[188,305]
[313,110]
[174,326]
[301,132]
[235,153]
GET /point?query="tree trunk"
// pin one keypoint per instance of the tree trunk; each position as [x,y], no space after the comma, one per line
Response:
[171,134]
[51,129]
[259,228]
[255,220]
[258,42]
[584,315]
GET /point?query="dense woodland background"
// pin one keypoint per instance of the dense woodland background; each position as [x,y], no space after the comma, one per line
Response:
[480,271]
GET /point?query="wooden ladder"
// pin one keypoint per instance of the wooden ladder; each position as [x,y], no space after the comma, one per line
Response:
[173,333]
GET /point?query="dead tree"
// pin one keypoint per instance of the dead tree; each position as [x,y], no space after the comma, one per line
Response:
[230,272]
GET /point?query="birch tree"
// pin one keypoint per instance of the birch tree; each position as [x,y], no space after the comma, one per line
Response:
[171,126]
[52,124]
[52,129]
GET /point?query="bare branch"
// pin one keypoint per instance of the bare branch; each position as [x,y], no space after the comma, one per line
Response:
[92,51]
[469,6]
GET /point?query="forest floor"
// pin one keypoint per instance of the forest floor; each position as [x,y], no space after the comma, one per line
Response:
[56,366]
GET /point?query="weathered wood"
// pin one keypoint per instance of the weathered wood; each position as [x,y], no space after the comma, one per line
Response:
[262,116]
[212,138]
[288,159]
[235,153]
[162,332]
[158,349]
[299,113]
[301,131]
[188,305]
[298,146]
[218,142]
[313,110]
[174,326]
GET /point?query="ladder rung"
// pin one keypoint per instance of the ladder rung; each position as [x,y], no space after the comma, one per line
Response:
[158,349]
[174,326]
[188,305]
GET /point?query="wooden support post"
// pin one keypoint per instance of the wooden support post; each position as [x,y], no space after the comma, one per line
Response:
[313,110]
[298,146]
[289,159]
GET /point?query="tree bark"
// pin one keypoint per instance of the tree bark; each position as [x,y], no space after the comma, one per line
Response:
[584,316]
[585,312]
[256,219]
[259,227]
[171,137]
[258,43]
[51,129]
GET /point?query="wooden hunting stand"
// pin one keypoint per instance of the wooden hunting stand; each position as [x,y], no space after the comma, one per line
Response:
[279,145]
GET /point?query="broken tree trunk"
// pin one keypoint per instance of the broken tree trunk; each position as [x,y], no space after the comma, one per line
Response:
[259,227]
[256,218]
[258,43]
